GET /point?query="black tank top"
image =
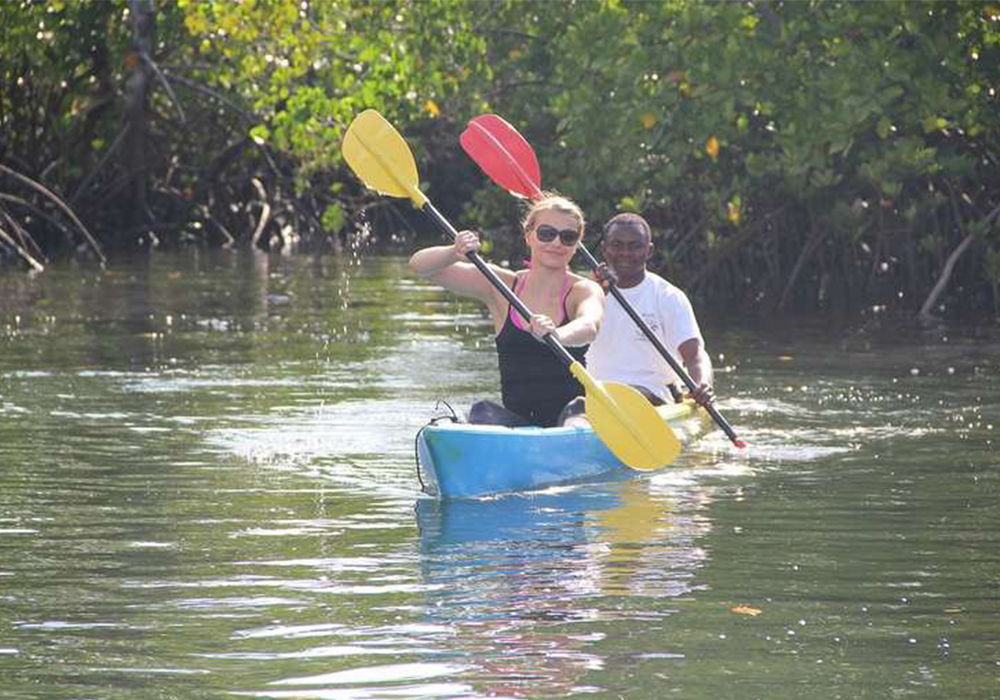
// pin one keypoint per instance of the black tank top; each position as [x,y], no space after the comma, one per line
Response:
[534,382]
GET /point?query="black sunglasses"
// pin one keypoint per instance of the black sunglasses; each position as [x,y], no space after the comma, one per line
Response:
[547,234]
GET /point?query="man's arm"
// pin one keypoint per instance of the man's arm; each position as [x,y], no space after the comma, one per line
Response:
[699,366]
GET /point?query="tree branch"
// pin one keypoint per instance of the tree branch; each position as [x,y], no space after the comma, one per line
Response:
[115,146]
[925,313]
[248,116]
[925,310]
[59,203]
[265,213]
[166,85]
[17,247]
[41,213]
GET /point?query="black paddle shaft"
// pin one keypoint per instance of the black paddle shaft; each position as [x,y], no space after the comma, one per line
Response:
[648,332]
[508,293]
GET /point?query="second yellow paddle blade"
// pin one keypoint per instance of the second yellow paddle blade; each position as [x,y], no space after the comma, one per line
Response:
[630,426]
[379,156]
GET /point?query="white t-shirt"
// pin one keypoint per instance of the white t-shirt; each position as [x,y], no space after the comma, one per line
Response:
[622,353]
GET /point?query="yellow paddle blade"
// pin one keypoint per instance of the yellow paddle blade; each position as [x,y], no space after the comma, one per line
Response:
[628,423]
[380,157]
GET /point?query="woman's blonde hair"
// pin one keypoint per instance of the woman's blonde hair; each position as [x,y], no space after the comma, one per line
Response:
[552,201]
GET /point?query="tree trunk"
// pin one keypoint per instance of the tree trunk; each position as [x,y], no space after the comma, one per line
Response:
[136,92]
[813,242]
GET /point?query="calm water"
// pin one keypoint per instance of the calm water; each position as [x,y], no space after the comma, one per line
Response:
[207,489]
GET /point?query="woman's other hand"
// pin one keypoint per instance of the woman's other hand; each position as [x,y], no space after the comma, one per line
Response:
[542,325]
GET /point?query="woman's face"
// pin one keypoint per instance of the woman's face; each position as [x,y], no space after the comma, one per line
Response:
[558,226]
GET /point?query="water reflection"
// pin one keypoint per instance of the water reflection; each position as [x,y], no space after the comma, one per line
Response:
[529,584]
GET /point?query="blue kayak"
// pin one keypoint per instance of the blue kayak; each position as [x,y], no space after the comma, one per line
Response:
[463,460]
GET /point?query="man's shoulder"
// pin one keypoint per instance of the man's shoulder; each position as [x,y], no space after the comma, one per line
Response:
[664,286]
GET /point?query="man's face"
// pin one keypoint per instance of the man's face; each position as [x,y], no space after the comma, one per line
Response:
[626,249]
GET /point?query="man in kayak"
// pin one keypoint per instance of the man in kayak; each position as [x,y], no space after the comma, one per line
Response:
[621,352]
[534,382]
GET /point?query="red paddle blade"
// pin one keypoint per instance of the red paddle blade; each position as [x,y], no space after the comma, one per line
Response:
[503,154]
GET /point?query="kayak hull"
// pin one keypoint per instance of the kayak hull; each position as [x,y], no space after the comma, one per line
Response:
[462,460]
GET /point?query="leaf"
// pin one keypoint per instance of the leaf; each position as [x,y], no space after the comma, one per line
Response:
[823,177]
[746,610]
[883,127]
[733,210]
[933,122]
[890,188]
[259,134]
[628,204]
[333,218]
[712,148]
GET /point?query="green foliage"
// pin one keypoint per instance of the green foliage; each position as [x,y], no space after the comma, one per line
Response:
[284,76]
[764,125]
[784,143]
[306,68]
[59,62]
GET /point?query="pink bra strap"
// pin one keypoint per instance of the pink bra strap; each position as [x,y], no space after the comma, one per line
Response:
[523,325]
[515,317]
[564,292]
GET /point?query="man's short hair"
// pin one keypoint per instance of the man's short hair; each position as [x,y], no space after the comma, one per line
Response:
[629,219]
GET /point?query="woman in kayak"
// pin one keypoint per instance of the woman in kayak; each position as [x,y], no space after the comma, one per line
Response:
[535,384]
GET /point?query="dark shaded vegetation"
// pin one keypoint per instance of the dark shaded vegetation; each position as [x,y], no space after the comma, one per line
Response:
[791,155]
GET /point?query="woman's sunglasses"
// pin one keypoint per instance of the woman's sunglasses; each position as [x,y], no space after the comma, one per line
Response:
[547,234]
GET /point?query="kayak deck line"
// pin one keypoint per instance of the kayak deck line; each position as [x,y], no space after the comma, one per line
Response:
[465,460]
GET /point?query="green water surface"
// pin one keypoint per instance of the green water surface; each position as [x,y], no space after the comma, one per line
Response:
[208,489]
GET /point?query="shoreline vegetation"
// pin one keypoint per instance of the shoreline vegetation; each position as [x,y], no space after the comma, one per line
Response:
[792,156]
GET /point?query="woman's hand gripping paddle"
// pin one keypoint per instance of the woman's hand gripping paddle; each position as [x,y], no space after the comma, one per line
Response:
[503,154]
[621,417]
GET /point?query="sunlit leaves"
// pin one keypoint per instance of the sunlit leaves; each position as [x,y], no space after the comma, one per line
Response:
[306,69]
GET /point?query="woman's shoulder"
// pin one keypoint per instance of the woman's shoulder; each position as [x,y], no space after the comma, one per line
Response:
[506,274]
[583,285]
